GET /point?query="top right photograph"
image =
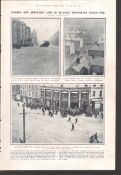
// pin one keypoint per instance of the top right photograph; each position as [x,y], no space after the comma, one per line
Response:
[84,46]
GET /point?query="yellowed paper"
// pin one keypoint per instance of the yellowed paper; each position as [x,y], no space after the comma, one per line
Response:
[58,85]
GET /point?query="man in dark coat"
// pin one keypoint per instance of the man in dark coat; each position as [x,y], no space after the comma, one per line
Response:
[72,129]
[93,138]
[69,119]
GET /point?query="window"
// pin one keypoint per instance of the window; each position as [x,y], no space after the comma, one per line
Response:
[100,93]
[55,95]
[85,96]
[42,94]
[77,86]
[64,95]
[74,95]
[48,93]
[93,93]
[36,94]
[93,56]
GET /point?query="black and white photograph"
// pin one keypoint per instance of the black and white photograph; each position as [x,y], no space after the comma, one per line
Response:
[84,46]
[35,46]
[57,114]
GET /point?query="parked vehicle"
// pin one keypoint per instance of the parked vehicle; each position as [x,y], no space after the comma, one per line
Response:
[45,44]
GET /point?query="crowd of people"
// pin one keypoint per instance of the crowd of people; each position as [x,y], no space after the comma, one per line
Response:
[66,111]
[79,111]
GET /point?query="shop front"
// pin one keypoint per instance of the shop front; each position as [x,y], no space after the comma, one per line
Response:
[48,98]
[84,104]
[64,100]
[97,104]
[55,100]
[74,99]
[48,102]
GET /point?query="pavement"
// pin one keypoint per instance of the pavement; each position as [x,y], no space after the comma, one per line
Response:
[42,129]
[35,61]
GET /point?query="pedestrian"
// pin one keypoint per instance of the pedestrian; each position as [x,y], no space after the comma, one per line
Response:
[51,113]
[69,119]
[102,115]
[56,111]
[76,120]
[73,112]
[95,114]
[18,104]
[93,138]
[96,137]
[43,110]
[72,128]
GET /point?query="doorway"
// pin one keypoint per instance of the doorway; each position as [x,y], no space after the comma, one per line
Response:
[74,104]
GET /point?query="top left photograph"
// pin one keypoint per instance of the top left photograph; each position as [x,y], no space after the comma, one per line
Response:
[35,46]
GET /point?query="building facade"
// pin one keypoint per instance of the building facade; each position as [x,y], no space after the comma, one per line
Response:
[55,39]
[73,42]
[64,96]
[97,59]
[34,37]
[15,91]
[22,35]
[97,96]
[16,33]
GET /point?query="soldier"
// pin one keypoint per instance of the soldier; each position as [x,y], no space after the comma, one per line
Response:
[76,120]
[72,129]
[51,113]
[69,119]
[43,110]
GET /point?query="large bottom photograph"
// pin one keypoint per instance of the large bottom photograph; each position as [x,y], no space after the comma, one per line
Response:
[57,114]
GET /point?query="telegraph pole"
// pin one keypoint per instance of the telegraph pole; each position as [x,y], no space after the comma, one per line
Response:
[24,136]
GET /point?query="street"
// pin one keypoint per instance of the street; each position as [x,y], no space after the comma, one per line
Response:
[44,129]
[35,61]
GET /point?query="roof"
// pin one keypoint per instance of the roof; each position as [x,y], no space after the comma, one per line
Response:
[87,61]
[84,62]
[72,37]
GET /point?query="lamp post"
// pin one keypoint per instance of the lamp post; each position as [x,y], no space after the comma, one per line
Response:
[24,134]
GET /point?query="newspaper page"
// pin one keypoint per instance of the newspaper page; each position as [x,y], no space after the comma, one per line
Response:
[58,85]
